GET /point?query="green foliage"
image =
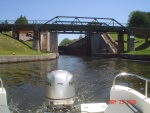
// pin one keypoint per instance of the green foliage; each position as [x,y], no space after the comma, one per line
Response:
[66,42]
[148,14]
[21,21]
[74,40]
[80,37]
[139,19]
[6,22]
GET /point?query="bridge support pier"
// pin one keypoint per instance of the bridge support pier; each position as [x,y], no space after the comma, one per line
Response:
[120,43]
[146,38]
[96,45]
[36,41]
[15,34]
[52,42]
[130,43]
[48,41]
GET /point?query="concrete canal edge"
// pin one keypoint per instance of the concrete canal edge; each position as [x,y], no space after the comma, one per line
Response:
[124,56]
[27,58]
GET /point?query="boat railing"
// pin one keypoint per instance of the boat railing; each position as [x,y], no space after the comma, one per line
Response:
[130,74]
[1,84]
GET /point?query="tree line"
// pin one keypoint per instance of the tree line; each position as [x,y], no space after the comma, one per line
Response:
[139,19]
[22,20]
[67,41]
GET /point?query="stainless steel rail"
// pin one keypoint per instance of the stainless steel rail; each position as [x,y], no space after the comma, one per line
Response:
[1,84]
[130,74]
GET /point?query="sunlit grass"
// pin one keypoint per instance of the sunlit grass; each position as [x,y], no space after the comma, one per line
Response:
[10,46]
[140,46]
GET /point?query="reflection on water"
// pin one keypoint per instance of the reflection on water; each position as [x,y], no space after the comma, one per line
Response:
[24,82]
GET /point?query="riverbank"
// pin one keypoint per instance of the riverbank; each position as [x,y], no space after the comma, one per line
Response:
[27,58]
[123,56]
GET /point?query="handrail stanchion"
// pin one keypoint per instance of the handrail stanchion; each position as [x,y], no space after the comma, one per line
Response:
[114,83]
[140,77]
[1,83]
[146,88]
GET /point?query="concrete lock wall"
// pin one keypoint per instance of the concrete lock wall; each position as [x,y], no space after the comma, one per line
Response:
[98,45]
[91,44]
[27,58]
[77,48]
[95,43]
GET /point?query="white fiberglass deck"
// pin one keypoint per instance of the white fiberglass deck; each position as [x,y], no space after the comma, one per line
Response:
[4,109]
[125,94]
[93,107]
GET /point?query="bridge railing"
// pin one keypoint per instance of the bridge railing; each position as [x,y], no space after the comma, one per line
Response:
[29,21]
[71,21]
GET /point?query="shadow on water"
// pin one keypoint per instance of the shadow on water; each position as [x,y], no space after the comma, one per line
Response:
[24,82]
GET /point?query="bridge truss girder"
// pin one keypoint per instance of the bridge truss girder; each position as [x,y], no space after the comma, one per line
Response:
[87,24]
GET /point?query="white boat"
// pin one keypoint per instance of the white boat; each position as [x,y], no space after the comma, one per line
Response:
[3,99]
[128,100]
[59,83]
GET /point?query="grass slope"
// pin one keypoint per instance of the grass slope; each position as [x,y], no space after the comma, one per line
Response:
[140,46]
[10,46]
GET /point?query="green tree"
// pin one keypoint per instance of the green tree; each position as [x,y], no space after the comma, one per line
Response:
[74,40]
[138,19]
[148,14]
[6,22]
[65,42]
[80,37]
[21,21]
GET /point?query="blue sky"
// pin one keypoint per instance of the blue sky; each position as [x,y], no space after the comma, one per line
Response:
[47,9]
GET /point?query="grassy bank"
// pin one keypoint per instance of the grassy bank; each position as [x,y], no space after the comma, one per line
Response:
[141,47]
[10,46]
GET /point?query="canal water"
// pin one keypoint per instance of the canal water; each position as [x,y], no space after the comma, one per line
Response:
[24,82]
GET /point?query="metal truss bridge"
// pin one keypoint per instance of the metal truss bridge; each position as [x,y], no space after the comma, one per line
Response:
[83,24]
[70,24]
